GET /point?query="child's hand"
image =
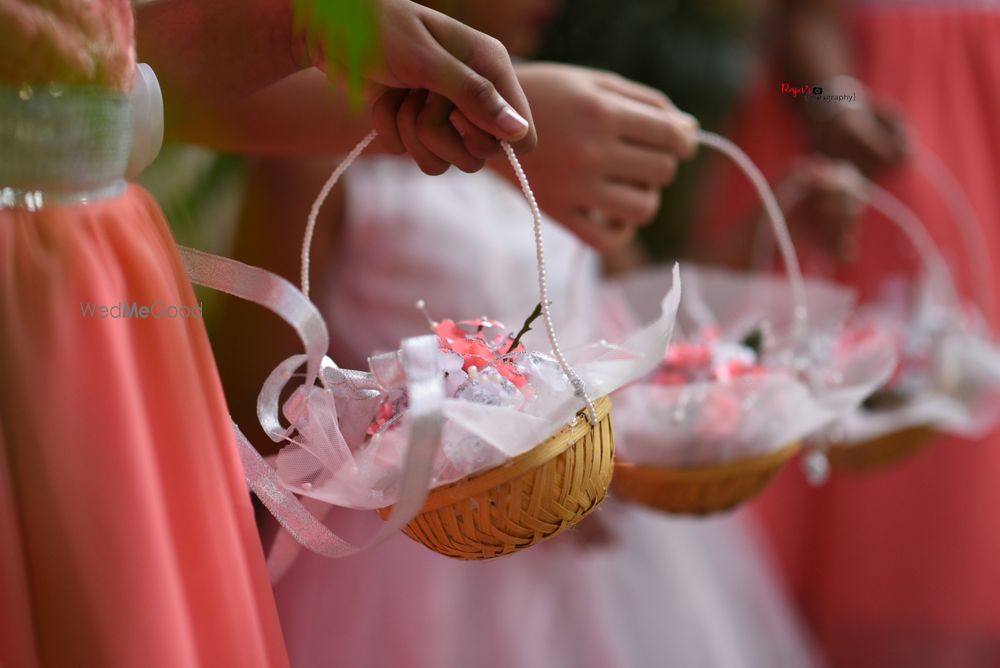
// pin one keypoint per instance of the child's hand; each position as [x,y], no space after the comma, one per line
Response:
[210,57]
[828,205]
[871,137]
[609,146]
[431,65]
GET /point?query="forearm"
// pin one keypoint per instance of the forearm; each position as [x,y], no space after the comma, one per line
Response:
[814,44]
[209,55]
[300,116]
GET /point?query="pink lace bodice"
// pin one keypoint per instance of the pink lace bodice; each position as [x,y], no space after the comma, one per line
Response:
[82,42]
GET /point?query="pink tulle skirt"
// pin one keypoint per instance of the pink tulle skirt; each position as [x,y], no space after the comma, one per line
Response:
[900,568]
[628,587]
[126,531]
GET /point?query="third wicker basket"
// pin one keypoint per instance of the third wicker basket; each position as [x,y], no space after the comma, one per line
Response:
[880,452]
[699,491]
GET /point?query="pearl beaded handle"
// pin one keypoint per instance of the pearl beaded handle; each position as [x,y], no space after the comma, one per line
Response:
[578,385]
[543,292]
[965,219]
[324,192]
[778,225]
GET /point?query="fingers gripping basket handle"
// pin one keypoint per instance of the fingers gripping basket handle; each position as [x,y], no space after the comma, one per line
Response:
[574,379]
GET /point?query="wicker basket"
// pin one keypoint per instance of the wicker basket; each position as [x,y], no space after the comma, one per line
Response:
[699,491]
[534,496]
[881,452]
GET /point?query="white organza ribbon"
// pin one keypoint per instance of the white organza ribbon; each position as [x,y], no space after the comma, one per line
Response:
[315,414]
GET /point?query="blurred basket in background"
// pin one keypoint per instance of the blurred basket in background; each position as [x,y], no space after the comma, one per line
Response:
[699,491]
[880,453]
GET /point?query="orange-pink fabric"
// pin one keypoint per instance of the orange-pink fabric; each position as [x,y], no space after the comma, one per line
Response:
[900,568]
[126,532]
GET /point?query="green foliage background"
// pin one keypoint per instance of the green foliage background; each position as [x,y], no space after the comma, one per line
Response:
[349,31]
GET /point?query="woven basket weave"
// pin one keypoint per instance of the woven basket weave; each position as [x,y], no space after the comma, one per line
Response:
[881,452]
[699,491]
[534,496]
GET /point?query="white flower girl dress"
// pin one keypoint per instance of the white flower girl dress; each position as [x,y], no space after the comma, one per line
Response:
[629,587]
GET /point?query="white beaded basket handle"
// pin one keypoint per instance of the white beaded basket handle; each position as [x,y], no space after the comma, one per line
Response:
[536,214]
[778,225]
[967,222]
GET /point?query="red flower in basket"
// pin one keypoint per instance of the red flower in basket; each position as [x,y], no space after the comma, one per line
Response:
[683,355]
[488,371]
[476,350]
[385,413]
[705,360]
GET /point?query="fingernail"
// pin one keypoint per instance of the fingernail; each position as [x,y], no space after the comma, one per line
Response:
[512,123]
[459,123]
[687,119]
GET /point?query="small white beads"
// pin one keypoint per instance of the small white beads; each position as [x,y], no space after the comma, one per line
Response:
[422,307]
[323,194]
[536,214]
[816,467]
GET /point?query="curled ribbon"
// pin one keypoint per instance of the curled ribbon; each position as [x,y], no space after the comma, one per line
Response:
[312,412]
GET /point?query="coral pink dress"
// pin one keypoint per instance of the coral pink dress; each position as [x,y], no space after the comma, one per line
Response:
[126,532]
[900,567]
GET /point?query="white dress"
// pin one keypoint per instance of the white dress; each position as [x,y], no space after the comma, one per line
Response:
[660,592]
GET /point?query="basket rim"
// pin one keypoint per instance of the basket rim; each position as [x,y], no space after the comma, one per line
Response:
[552,447]
[923,431]
[698,474]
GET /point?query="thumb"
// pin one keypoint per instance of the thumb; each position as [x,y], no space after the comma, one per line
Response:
[474,72]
